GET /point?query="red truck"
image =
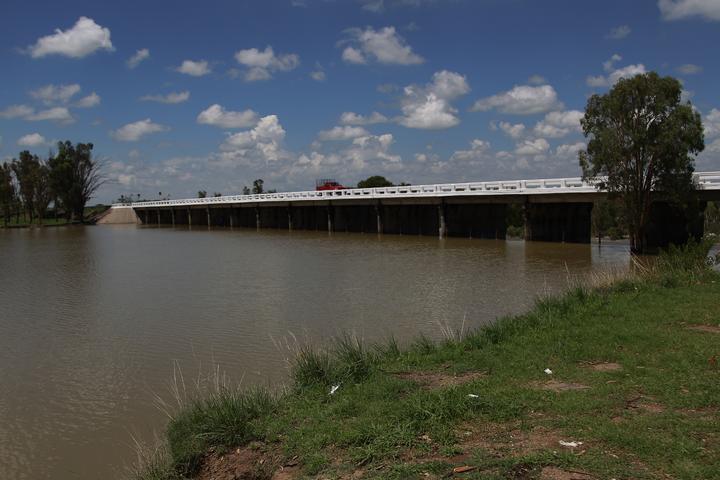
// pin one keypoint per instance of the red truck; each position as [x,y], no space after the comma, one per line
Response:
[327,184]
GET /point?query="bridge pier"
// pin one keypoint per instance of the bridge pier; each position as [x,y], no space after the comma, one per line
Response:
[442,224]
[559,222]
[172,216]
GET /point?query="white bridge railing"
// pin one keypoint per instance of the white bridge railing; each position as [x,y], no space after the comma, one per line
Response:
[705,181]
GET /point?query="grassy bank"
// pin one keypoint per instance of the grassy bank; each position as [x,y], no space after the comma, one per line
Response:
[634,393]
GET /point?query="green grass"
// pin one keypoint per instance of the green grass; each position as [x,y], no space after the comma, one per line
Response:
[392,427]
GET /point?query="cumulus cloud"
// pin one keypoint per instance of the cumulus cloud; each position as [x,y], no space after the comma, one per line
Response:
[430,107]
[318,75]
[619,33]
[261,145]
[88,101]
[537,146]
[352,118]
[345,132]
[521,100]
[479,150]
[132,132]
[615,74]
[559,124]
[16,111]
[55,114]
[569,151]
[31,140]
[137,58]
[711,123]
[689,69]
[537,80]
[193,68]
[217,116]
[513,131]
[261,64]
[170,98]
[54,94]
[384,46]
[84,38]
[681,9]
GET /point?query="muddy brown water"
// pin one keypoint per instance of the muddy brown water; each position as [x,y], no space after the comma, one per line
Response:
[93,320]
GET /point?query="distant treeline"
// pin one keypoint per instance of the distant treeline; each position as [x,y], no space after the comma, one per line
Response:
[67,179]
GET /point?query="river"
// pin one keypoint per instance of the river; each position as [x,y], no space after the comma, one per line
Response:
[94,320]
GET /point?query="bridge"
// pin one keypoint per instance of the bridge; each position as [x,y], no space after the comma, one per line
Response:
[557,210]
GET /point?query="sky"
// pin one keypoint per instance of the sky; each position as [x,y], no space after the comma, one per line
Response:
[180,96]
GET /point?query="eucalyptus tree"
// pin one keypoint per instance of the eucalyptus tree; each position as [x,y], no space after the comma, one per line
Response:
[75,176]
[643,139]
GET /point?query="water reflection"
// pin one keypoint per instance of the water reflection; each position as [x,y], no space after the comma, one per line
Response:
[92,319]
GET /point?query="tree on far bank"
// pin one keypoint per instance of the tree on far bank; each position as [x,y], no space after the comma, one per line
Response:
[642,139]
[258,186]
[202,193]
[75,176]
[8,197]
[375,181]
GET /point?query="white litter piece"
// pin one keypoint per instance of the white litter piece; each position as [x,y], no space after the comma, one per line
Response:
[570,444]
[334,389]
[548,371]
[472,395]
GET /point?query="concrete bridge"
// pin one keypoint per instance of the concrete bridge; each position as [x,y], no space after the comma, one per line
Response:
[556,210]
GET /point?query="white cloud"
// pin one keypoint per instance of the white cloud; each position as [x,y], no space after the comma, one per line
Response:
[261,145]
[88,101]
[479,150]
[619,33]
[689,69]
[171,98]
[352,118]
[513,131]
[558,124]
[54,94]
[262,64]
[139,57]
[375,6]
[31,140]
[615,74]
[679,9]
[538,146]
[711,123]
[194,68]
[521,100]
[569,151]
[383,45]
[318,75]
[16,111]
[84,38]
[345,132]
[430,107]
[217,116]
[353,55]
[132,132]
[55,114]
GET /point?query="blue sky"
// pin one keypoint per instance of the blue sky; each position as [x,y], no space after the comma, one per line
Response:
[182,96]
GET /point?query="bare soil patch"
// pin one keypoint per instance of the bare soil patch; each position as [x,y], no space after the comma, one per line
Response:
[554,473]
[605,366]
[507,439]
[705,328]
[558,386]
[252,462]
[646,404]
[434,380]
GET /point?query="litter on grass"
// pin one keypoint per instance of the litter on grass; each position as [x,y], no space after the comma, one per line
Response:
[548,371]
[334,389]
[570,444]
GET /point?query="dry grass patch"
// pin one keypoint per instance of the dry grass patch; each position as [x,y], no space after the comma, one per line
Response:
[436,380]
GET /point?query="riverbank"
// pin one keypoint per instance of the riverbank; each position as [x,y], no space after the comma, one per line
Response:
[618,379]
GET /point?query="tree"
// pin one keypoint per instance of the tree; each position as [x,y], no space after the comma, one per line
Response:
[258,186]
[202,193]
[376,181]
[7,192]
[246,190]
[642,139]
[75,176]
[217,194]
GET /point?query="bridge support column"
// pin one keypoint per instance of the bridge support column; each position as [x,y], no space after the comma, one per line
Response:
[560,222]
[172,216]
[257,217]
[158,216]
[189,214]
[232,217]
[330,219]
[442,229]
[146,218]
[378,216]
[209,219]
[290,218]
[527,232]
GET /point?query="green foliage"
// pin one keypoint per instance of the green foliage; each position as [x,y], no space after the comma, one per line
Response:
[641,139]
[258,186]
[75,176]
[226,418]
[202,193]
[608,219]
[8,193]
[375,181]
[348,360]
[33,180]
[712,218]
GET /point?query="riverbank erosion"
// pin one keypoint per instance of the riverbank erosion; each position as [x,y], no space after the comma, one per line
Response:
[618,378]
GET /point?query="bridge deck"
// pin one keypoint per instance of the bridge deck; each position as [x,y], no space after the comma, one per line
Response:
[557,186]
